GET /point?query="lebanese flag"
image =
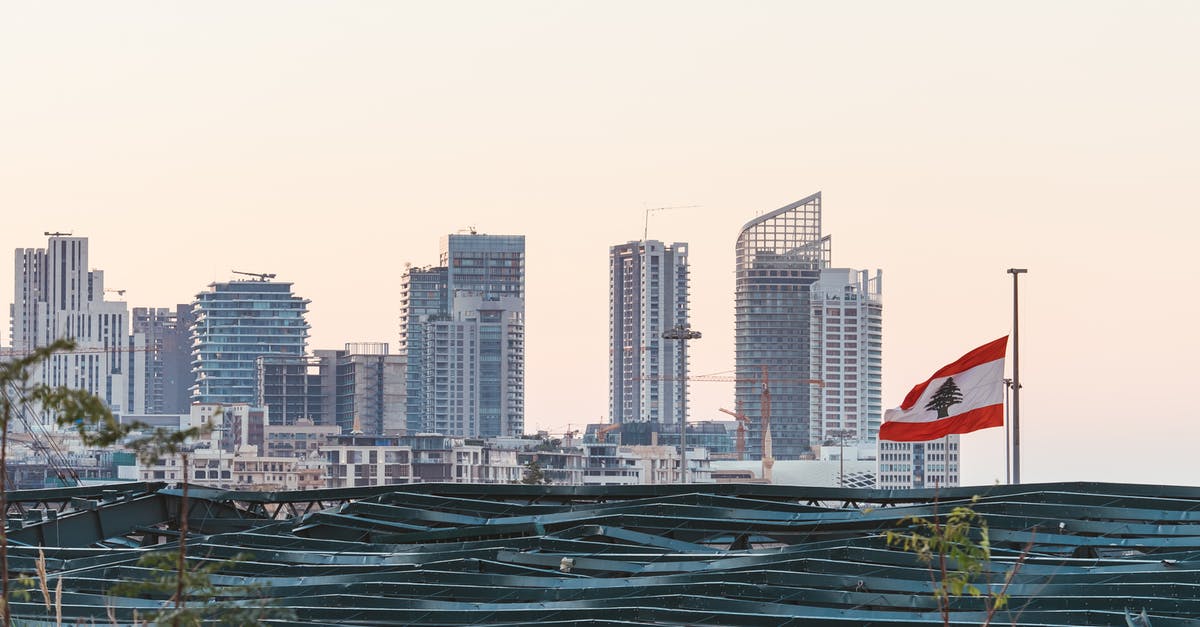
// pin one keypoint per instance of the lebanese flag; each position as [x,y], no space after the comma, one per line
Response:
[962,397]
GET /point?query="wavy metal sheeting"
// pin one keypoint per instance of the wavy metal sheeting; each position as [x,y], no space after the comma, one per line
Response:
[454,554]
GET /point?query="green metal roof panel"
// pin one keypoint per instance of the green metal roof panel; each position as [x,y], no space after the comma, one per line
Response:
[727,554]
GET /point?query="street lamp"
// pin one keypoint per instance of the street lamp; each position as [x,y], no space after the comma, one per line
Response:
[841,435]
[683,333]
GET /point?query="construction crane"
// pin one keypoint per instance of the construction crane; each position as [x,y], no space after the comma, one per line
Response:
[115,291]
[56,234]
[12,352]
[258,275]
[646,224]
[768,456]
[742,420]
[605,430]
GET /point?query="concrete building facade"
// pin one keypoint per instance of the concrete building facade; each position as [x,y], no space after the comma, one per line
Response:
[932,464]
[56,296]
[463,338]
[168,371]
[846,335]
[648,294]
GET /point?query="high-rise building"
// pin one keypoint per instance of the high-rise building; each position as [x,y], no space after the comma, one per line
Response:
[235,323]
[462,338]
[487,265]
[369,390]
[786,327]
[474,368]
[423,298]
[56,296]
[168,372]
[847,355]
[648,294]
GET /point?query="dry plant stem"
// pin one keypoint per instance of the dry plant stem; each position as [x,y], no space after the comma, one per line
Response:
[183,531]
[1008,580]
[4,512]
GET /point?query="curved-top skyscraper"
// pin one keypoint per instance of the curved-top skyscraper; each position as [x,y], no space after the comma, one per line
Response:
[779,256]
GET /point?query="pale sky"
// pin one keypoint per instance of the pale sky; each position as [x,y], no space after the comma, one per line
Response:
[331,142]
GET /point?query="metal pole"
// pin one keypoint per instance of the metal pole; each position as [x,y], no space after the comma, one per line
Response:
[683,469]
[1016,384]
[683,333]
[1007,432]
[842,459]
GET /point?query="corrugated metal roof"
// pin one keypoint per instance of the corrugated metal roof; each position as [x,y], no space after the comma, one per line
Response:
[455,554]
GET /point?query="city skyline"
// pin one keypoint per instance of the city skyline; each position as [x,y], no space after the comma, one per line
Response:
[950,142]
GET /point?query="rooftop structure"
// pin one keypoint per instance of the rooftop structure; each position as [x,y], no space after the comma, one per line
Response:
[720,554]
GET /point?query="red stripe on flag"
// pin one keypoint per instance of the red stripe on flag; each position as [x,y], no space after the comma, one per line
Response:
[988,352]
[974,420]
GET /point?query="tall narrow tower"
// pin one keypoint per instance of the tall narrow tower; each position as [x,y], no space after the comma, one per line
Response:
[779,256]
[648,294]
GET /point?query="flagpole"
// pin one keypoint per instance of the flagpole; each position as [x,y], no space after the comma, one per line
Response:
[1007,431]
[1016,382]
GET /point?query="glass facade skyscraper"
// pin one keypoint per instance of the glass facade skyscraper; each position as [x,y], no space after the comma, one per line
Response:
[779,256]
[235,323]
[816,330]
[423,298]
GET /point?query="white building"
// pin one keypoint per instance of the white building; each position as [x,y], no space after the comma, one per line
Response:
[648,294]
[919,464]
[615,464]
[826,473]
[243,469]
[847,355]
[56,296]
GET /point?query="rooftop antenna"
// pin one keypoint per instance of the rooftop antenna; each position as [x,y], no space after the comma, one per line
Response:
[258,275]
[646,224]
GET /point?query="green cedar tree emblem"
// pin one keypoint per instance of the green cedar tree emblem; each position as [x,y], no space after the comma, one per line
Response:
[947,395]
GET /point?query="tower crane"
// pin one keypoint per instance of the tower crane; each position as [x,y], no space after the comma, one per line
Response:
[768,455]
[605,430]
[258,275]
[742,420]
[646,224]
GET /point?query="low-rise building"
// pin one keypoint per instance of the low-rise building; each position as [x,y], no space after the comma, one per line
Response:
[615,464]
[243,469]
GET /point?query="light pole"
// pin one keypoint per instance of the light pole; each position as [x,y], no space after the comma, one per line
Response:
[841,435]
[683,333]
[1016,381]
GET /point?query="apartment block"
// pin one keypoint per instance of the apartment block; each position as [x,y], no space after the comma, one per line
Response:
[648,294]
[57,295]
